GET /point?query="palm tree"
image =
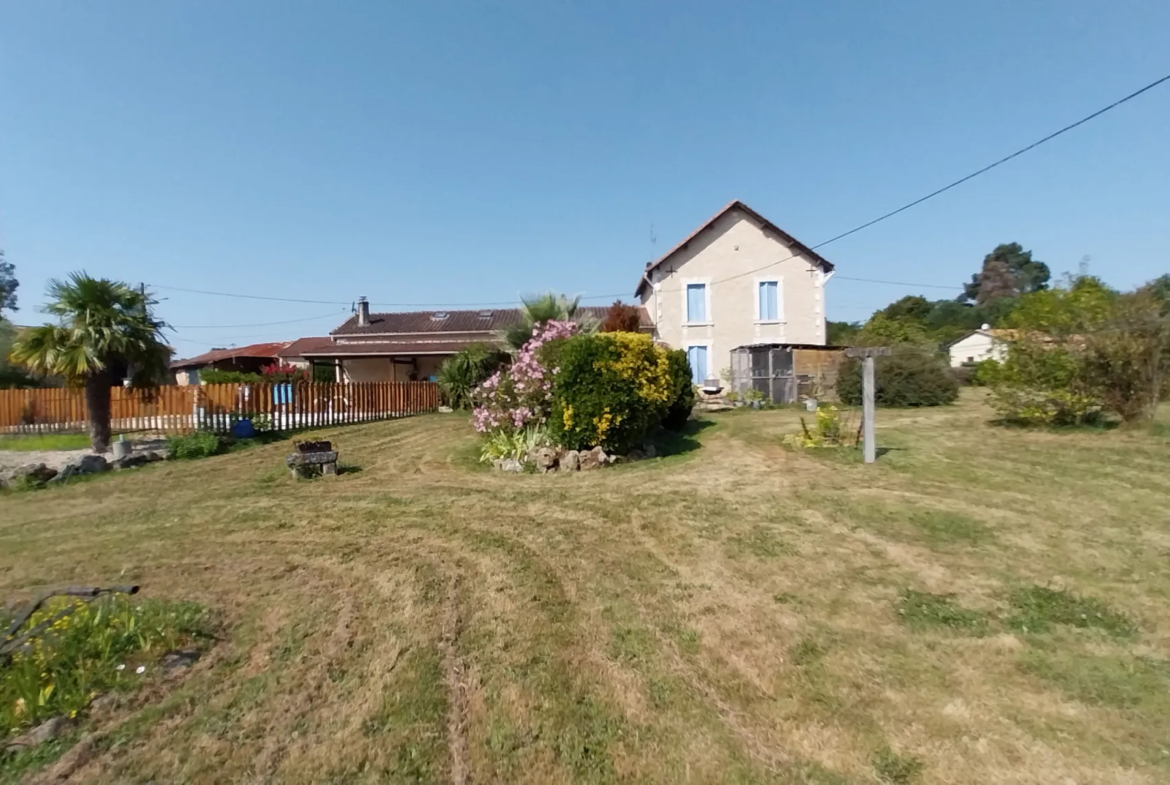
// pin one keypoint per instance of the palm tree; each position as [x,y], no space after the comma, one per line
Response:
[104,330]
[543,308]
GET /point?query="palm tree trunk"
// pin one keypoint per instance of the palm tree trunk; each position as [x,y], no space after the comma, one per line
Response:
[97,404]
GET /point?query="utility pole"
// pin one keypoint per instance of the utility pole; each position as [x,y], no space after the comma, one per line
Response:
[867,353]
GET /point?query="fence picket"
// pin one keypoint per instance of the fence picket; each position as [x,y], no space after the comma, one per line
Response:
[218,406]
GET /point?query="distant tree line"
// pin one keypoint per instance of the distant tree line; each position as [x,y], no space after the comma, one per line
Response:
[1008,273]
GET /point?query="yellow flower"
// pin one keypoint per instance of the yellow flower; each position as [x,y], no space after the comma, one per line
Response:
[567,417]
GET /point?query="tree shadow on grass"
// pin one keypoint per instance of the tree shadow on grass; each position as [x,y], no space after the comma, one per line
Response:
[684,441]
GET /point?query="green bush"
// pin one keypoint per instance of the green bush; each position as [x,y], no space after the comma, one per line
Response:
[912,376]
[680,408]
[200,444]
[964,375]
[610,391]
[464,371]
[1044,383]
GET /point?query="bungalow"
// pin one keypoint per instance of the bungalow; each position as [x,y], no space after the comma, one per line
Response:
[409,346]
[985,343]
[246,359]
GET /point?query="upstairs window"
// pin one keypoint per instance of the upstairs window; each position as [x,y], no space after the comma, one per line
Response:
[768,309]
[696,303]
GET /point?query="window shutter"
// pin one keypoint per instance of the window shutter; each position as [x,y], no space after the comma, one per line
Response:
[696,302]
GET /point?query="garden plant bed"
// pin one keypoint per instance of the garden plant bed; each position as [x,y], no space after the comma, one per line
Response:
[982,604]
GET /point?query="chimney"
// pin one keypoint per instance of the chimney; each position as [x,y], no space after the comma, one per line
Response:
[363,312]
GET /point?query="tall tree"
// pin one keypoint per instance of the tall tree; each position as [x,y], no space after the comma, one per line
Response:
[8,285]
[104,330]
[996,281]
[1010,271]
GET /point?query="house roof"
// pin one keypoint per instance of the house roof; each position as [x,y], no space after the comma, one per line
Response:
[301,345]
[261,350]
[386,348]
[735,204]
[478,321]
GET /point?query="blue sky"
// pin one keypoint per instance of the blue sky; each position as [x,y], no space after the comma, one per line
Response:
[465,152]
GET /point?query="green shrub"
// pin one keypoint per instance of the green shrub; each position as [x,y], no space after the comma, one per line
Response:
[464,371]
[517,445]
[1044,383]
[200,444]
[680,408]
[611,389]
[911,376]
[964,375]
[216,376]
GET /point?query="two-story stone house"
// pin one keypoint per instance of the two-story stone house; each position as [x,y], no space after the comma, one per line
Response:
[737,280]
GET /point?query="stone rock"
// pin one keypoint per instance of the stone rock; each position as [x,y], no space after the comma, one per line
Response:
[545,459]
[46,731]
[154,455]
[592,459]
[635,455]
[33,472]
[86,464]
[511,465]
[445,410]
[571,461]
[650,450]
[180,658]
[129,461]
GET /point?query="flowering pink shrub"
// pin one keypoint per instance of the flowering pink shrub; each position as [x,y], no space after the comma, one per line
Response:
[522,394]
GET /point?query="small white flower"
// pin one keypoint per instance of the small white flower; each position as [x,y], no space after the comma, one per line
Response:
[141,669]
[121,667]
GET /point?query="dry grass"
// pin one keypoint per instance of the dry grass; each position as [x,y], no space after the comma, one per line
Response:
[738,613]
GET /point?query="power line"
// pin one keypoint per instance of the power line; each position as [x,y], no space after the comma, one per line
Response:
[1000,162]
[508,303]
[900,283]
[958,182]
[248,296]
[331,314]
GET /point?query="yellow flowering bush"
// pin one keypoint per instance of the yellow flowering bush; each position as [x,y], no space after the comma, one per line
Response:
[94,648]
[611,389]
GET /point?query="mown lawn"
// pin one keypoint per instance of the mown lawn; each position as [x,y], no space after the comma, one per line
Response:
[982,605]
[44,441]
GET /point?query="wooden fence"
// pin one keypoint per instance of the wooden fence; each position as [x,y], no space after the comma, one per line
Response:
[219,406]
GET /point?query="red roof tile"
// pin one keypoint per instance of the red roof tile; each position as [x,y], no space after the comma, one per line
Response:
[301,345]
[263,350]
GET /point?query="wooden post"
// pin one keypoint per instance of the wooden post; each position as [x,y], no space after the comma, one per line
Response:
[867,408]
[867,395]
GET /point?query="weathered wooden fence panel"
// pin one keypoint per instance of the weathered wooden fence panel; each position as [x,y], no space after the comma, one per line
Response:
[282,406]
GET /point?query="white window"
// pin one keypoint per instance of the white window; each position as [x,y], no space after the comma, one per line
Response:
[696,303]
[769,301]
